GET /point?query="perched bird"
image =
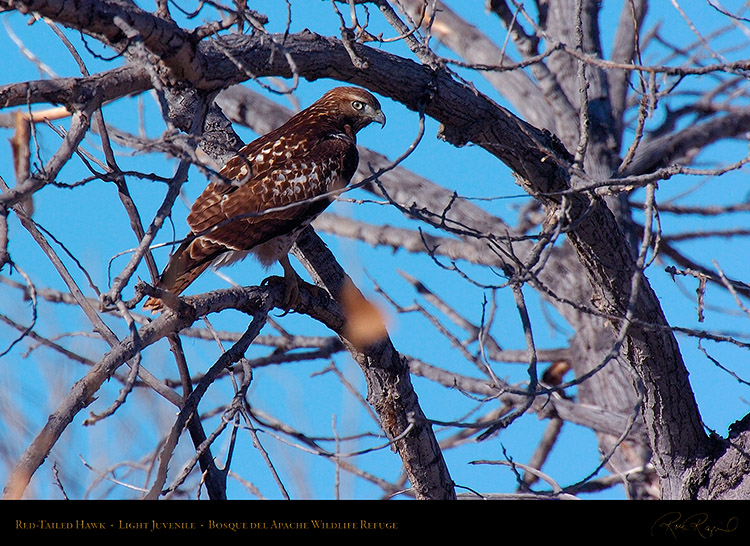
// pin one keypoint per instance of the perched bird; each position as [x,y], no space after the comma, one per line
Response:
[272,189]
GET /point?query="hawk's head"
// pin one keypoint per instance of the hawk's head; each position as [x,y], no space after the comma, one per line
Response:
[352,106]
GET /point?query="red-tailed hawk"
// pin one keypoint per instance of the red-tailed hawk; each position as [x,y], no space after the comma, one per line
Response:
[272,189]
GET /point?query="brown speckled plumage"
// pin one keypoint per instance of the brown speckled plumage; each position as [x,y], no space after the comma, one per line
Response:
[271,190]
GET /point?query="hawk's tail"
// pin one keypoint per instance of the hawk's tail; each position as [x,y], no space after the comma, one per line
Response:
[190,259]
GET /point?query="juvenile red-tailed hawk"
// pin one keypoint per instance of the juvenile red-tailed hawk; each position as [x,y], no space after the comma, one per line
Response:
[271,190]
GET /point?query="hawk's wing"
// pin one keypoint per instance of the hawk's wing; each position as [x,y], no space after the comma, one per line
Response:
[284,187]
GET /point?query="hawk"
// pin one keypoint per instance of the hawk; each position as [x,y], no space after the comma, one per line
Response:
[271,190]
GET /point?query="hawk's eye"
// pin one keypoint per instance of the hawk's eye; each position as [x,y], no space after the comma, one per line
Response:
[357,105]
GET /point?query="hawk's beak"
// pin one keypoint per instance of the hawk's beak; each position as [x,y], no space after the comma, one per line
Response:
[379,117]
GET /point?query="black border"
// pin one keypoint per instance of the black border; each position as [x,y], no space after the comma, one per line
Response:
[654,522]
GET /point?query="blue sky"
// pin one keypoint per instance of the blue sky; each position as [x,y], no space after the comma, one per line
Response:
[95,232]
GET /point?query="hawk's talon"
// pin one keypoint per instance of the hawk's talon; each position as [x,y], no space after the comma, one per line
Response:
[291,296]
[290,299]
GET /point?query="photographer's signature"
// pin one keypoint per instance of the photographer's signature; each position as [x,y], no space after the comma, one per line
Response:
[676,525]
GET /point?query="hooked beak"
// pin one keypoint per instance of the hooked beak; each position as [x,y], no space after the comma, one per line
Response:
[379,117]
